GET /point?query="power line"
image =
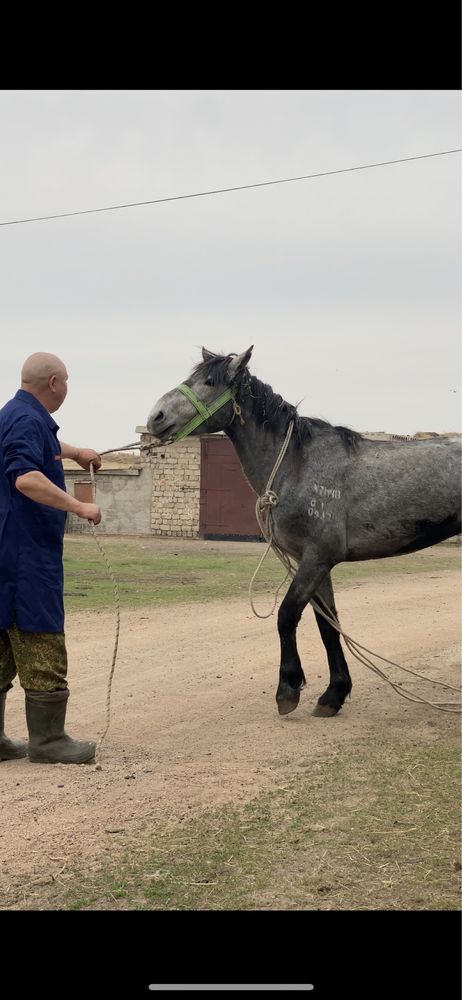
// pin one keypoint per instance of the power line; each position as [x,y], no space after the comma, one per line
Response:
[241,187]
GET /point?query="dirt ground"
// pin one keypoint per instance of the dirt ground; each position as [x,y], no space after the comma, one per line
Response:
[194,721]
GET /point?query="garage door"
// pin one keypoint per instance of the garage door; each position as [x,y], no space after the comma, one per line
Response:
[227,502]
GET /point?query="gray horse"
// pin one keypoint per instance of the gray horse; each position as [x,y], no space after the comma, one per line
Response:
[341,497]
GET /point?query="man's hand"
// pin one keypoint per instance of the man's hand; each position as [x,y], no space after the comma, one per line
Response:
[90,511]
[84,456]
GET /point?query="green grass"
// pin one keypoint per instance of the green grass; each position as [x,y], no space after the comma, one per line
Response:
[148,575]
[377,828]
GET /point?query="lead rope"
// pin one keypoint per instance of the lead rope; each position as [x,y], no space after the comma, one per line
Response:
[115,587]
[117,614]
[267,502]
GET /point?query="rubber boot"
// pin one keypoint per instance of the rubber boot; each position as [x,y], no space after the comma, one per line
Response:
[9,749]
[48,743]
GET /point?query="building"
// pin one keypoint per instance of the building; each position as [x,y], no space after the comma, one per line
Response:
[124,488]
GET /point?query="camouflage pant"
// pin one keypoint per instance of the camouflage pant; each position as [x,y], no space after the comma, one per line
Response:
[38,658]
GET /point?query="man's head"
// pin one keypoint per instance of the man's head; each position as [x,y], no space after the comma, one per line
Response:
[45,377]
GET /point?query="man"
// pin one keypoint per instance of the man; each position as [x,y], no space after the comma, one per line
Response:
[33,506]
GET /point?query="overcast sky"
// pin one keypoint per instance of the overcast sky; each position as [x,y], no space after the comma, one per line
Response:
[348,286]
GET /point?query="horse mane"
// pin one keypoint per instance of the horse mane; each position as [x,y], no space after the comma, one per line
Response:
[269,408]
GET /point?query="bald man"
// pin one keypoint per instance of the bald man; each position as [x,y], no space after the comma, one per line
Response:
[33,507]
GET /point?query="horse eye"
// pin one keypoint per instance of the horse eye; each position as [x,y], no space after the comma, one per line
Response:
[208,381]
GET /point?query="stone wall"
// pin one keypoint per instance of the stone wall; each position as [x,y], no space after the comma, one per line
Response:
[176,480]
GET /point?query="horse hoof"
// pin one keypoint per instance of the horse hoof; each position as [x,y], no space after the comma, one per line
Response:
[287,698]
[326,711]
[285,706]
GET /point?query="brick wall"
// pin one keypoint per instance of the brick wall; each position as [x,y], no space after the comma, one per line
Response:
[176,480]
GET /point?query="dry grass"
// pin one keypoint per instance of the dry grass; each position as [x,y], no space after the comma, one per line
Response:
[376,830]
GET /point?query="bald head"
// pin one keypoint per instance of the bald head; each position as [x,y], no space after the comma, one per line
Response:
[45,377]
[38,368]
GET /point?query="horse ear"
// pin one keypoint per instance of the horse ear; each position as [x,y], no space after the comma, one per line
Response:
[207,355]
[240,362]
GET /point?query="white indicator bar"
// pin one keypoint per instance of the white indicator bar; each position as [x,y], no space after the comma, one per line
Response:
[232,986]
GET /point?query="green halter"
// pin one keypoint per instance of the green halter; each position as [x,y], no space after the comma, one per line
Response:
[203,412]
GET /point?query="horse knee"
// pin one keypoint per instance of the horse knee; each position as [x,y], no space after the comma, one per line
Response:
[288,619]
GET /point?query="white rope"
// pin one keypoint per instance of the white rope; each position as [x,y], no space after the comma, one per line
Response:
[354,648]
[117,613]
[116,640]
[129,447]
[267,502]
[110,451]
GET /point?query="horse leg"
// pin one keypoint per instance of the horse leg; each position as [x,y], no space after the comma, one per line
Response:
[340,681]
[307,579]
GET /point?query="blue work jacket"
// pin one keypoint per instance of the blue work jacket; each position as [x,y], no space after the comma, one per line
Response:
[31,534]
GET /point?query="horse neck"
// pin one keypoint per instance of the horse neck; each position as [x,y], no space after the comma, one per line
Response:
[257,447]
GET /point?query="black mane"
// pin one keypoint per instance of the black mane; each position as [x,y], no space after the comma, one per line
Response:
[269,408]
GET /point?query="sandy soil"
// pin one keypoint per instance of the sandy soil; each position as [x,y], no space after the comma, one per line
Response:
[194,721]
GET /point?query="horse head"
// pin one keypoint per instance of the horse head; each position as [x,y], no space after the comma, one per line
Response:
[205,402]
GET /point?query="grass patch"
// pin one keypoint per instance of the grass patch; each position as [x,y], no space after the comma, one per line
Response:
[378,829]
[147,575]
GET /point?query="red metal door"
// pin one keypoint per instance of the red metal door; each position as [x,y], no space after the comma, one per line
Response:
[227,501]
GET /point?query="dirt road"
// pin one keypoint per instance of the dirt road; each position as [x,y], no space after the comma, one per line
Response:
[193,716]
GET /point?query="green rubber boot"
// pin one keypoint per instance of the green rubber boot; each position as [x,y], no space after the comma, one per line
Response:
[48,743]
[9,749]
